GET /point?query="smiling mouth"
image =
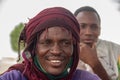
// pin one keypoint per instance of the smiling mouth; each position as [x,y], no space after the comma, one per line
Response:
[56,63]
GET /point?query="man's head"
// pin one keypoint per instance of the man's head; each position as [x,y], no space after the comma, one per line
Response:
[89,22]
[53,36]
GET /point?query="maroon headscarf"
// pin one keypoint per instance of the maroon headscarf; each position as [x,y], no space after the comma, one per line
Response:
[55,16]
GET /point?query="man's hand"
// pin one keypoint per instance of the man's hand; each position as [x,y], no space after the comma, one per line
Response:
[88,54]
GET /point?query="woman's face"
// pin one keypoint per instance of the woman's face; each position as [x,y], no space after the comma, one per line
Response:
[54,49]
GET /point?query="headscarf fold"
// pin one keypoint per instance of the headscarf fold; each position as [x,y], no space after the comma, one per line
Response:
[51,17]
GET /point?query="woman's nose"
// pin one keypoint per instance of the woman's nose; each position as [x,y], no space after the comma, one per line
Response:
[56,49]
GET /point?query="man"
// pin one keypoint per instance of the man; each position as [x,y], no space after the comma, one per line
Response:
[52,49]
[100,55]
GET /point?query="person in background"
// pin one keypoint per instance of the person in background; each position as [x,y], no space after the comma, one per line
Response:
[96,55]
[52,49]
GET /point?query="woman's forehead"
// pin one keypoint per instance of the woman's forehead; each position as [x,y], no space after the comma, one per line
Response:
[56,32]
[58,29]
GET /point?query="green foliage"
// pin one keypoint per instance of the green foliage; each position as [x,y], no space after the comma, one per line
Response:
[118,65]
[14,37]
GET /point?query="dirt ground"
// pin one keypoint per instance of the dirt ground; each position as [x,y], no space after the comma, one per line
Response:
[6,62]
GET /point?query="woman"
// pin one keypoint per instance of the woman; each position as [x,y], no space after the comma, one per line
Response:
[52,48]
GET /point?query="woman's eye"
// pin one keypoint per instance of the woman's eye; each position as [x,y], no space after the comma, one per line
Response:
[66,43]
[46,42]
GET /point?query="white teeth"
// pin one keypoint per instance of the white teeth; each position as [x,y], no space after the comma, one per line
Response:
[55,61]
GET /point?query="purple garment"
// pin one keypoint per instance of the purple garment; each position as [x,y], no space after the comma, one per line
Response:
[79,75]
[12,75]
[84,75]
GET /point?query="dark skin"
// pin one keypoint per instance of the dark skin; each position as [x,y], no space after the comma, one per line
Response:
[54,49]
[89,33]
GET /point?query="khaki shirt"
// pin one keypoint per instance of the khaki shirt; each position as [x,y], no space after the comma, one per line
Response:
[107,53]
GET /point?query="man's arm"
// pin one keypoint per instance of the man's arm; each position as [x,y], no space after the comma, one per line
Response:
[89,56]
[100,71]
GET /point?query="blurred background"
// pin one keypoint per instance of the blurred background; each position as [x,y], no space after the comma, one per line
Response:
[14,13]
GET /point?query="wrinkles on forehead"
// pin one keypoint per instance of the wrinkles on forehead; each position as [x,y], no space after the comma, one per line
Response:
[60,30]
[46,32]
